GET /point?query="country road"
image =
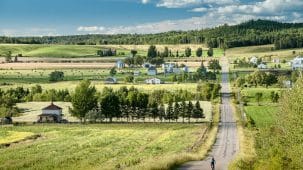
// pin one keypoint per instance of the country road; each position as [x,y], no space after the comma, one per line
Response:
[227,142]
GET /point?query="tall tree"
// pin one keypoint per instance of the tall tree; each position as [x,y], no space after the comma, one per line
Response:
[210,52]
[199,52]
[83,100]
[152,52]
[110,106]
[188,52]
[133,52]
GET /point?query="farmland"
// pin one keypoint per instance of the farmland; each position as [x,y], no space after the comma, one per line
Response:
[135,146]
[78,51]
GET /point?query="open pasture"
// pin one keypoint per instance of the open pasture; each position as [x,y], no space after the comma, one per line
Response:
[106,146]
[78,51]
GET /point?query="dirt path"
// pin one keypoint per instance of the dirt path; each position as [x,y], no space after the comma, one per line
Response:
[227,143]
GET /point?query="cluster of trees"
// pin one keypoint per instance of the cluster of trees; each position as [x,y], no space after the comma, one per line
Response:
[257,78]
[134,61]
[279,145]
[56,76]
[254,32]
[106,52]
[130,104]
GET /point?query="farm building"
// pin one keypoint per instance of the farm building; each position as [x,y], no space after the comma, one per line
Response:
[120,64]
[6,120]
[152,71]
[185,69]
[153,81]
[136,73]
[51,114]
[111,80]
[297,63]
[253,60]
[262,66]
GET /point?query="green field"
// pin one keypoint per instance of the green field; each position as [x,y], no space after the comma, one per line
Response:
[108,146]
[71,51]
[263,116]
[250,93]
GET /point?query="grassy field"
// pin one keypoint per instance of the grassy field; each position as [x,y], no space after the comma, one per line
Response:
[250,93]
[263,116]
[71,51]
[110,146]
[262,51]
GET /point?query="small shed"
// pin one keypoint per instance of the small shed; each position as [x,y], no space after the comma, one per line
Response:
[120,64]
[253,60]
[153,81]
[152,71]
[51,114]
[111,80]
[262,66]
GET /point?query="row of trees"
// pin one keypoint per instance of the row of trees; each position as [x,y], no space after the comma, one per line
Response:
[257,78]
[130,104]
[254,32]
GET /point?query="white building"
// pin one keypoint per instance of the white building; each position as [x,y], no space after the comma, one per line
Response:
[153,81]
[262,66]
[136,73]
[110,80]
[152,71]
[120,64]
[185,69]
[51,114]
[297,63]
[253,60]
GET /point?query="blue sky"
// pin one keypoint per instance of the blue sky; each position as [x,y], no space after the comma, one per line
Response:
[66,17]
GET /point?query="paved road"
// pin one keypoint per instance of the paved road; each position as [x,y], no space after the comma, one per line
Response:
[227,143]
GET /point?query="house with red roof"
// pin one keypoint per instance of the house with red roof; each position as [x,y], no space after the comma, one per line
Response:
[51,114]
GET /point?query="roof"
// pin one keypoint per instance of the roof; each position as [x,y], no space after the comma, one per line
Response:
[52,106]
[152,68]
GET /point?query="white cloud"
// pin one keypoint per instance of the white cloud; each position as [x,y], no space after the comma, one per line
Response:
[177,3]
[29,32]
[145,1]
[202,9]
[90,28]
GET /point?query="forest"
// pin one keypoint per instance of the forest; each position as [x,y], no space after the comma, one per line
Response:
[253,32]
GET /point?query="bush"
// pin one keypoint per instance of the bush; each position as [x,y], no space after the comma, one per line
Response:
[56,76]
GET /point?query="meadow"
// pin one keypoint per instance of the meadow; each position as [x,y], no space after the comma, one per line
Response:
[78,51]
[106,146]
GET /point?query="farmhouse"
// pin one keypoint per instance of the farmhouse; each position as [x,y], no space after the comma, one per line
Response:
[136,73]
[253,60]
[153,81]
[111,80]
[152,71]
[51,114]
[262,66]
[120,64]
[185,69]
[297,63]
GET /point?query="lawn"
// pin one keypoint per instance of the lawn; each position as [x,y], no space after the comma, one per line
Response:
[251,92]
[107,146]
[263,116]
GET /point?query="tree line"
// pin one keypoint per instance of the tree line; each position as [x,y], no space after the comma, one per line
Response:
[129,104]
[253,32]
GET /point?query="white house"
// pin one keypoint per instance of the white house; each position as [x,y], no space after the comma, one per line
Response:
[136,73]
[153,81]
[110,80]
[253,60]
[120,64]
[152,71]
[51,114]
[185,69]
[297,63]
[262,66]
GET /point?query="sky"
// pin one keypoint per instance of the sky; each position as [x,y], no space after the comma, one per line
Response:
[74,17]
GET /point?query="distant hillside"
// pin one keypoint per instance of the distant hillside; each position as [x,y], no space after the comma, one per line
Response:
[253,32]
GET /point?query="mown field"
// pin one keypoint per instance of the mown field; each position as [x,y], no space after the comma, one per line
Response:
[107,146]
[262,50]
[75,51]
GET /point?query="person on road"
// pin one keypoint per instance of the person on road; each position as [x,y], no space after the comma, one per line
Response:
[212,163]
